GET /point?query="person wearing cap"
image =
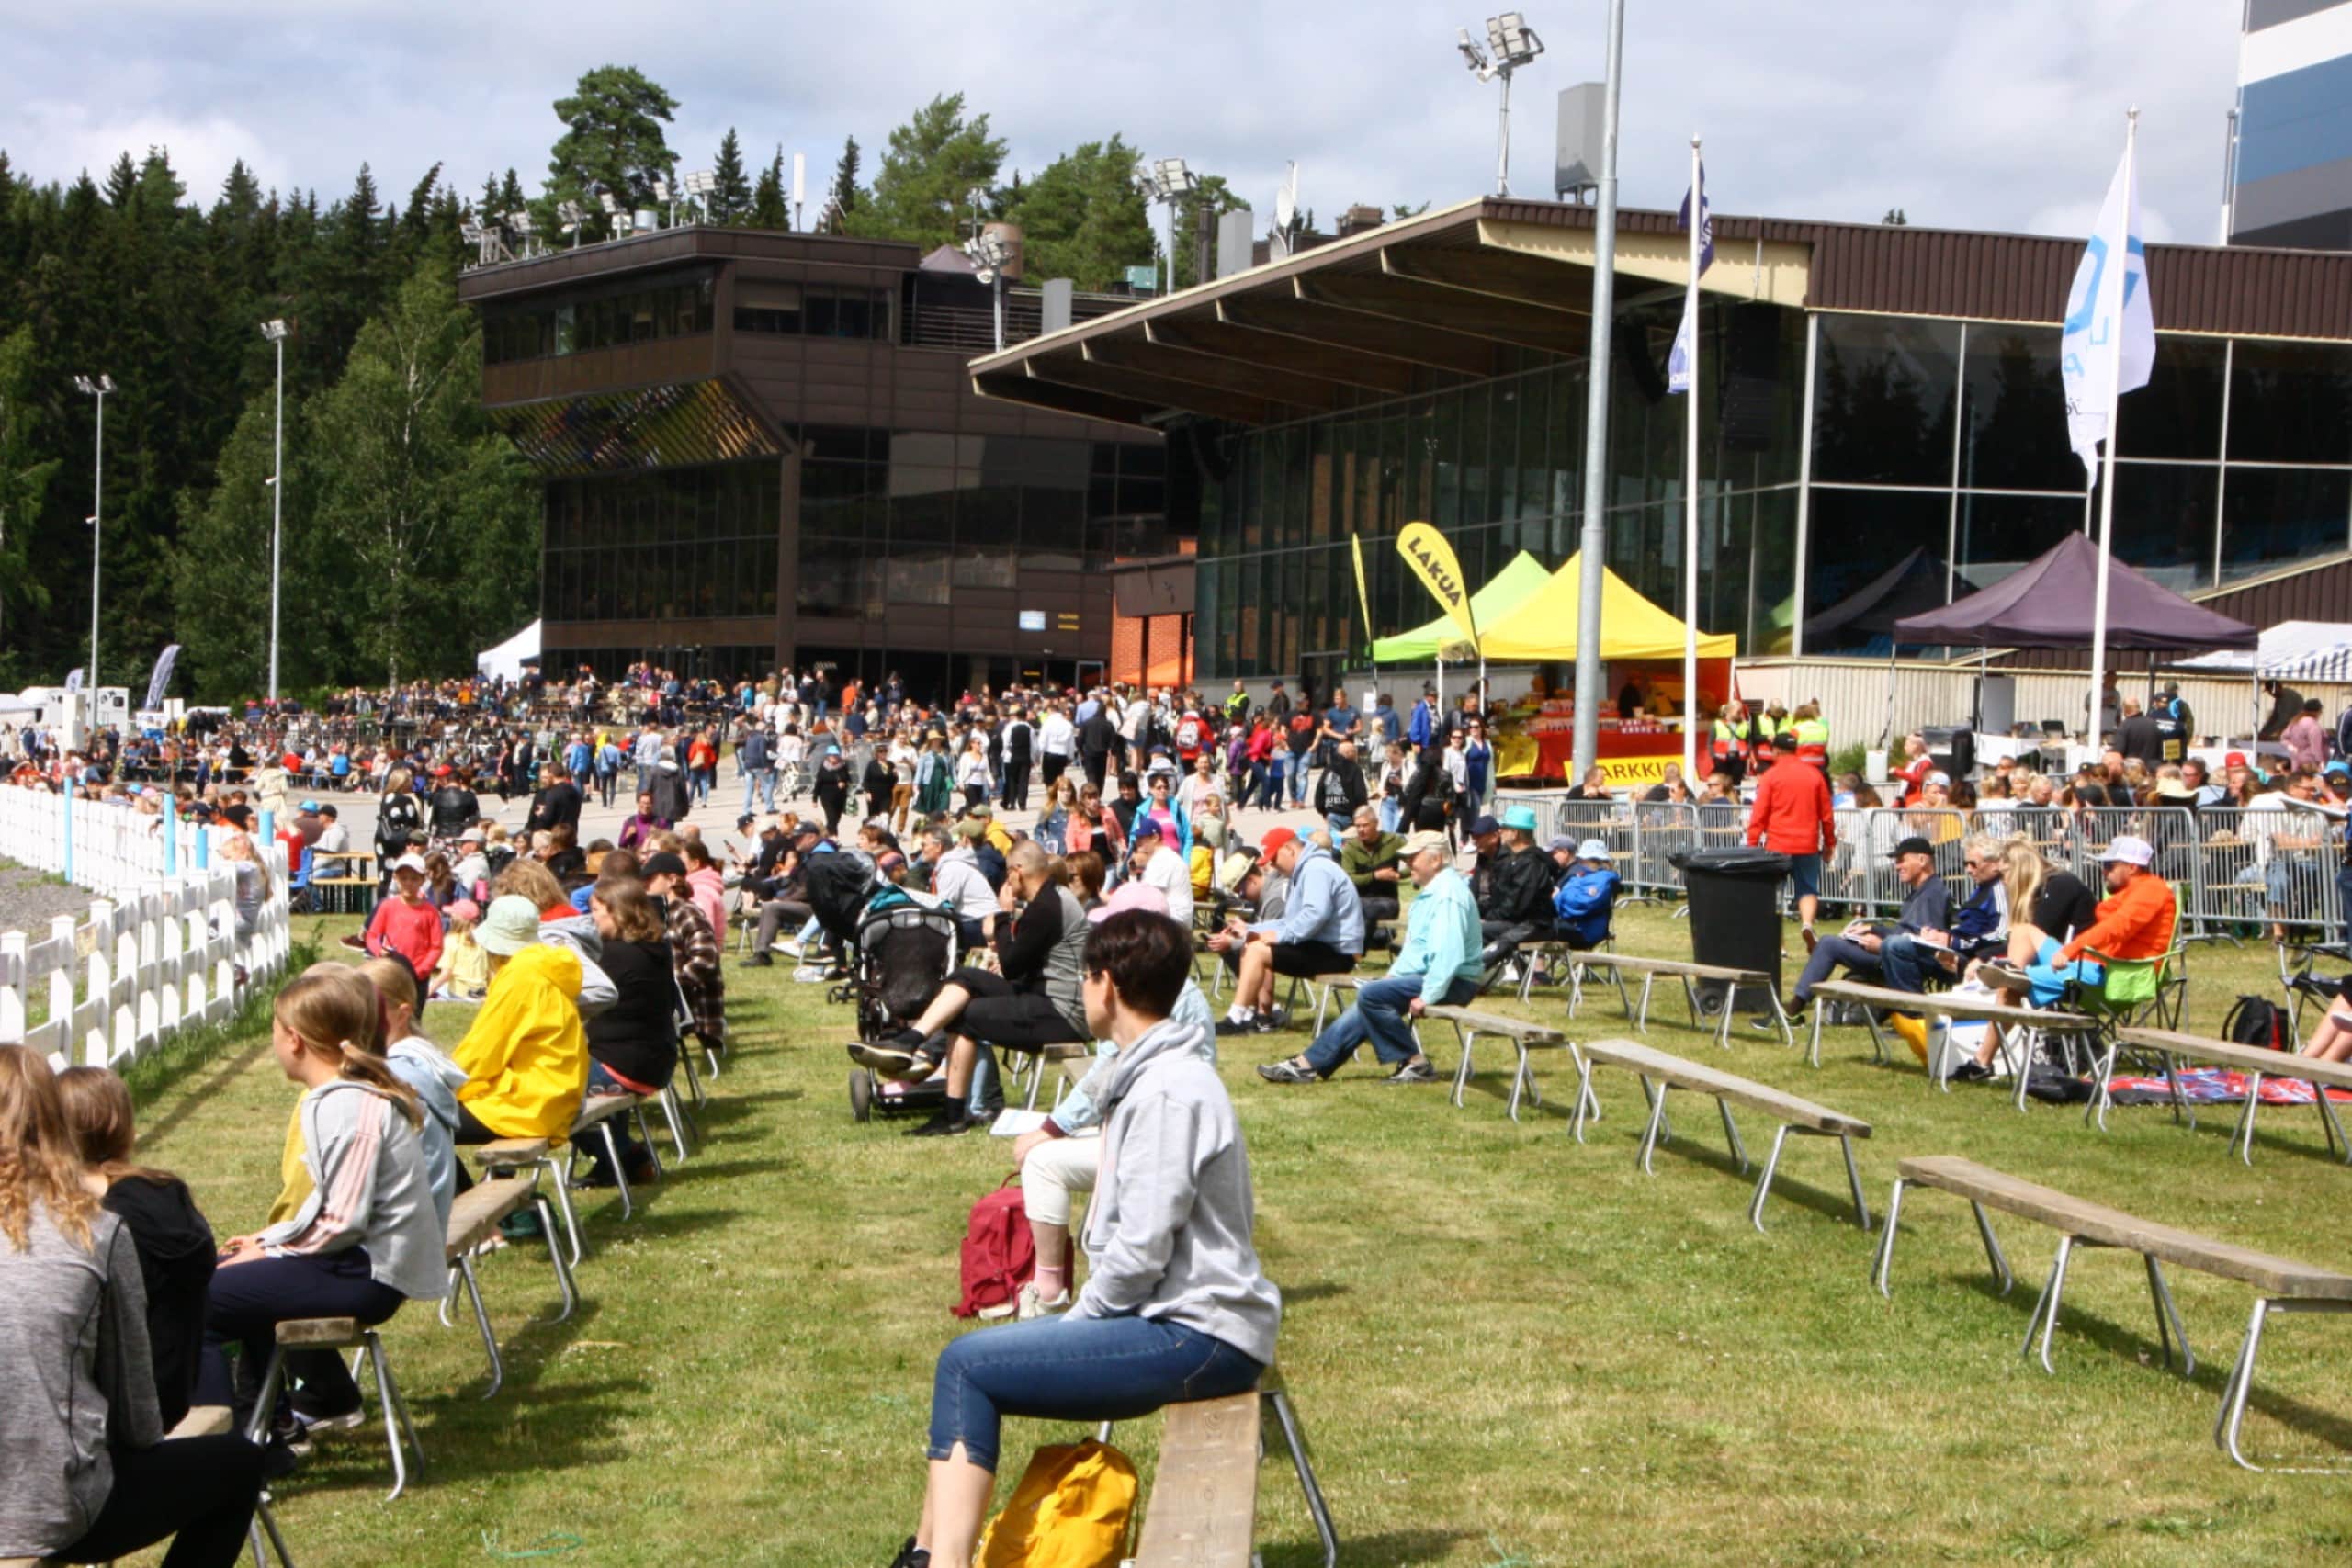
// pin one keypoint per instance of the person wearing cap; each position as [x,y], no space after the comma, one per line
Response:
[1438,966]
[333,843]
[1586,901]
[2134,922]
[525,1057]
[1863,948]
[1320,932]
[1515,899]
[1793,816]
[407,923]
[1157,861]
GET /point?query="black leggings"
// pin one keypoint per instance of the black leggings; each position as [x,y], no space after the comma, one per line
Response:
[198,1490]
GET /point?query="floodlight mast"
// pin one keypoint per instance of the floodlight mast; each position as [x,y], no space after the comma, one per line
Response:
[989,253]
[1510,43]
[275,333]
[98,388]
[1168,181]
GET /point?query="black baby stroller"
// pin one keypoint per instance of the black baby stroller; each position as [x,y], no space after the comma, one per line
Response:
[840,883]
[900,954]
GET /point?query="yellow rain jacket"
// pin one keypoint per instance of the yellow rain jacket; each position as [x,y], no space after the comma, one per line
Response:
[527,1055]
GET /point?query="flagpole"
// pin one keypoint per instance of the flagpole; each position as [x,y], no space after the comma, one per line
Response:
[2106,477]
[1690,487]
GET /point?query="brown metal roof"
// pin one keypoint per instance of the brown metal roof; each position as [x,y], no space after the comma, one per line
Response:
[1428,301]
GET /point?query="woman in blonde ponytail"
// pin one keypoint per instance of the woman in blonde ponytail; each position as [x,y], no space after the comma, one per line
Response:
[363,1239]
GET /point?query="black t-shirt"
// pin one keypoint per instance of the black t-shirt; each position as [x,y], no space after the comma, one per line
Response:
[637,1035]
[2065,906]
[177,1254]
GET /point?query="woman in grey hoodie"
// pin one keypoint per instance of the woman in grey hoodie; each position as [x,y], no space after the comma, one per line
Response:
[1175,1308]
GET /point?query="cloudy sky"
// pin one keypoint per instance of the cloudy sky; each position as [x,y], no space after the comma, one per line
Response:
[1994,114]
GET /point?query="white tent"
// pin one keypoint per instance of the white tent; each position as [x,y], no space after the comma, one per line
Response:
[2292,650]
[508,658]
[13,706]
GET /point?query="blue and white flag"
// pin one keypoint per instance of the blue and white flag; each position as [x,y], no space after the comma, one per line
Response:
[2110,338]
[1677,362]
[162,678]
[73,678]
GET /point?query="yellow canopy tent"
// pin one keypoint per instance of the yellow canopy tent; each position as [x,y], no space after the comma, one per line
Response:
[1545,625]
[1503,593]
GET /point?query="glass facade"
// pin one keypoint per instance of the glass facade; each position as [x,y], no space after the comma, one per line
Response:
[813,310]
[904,517]
[642,313]
[661,546]
[1932,462]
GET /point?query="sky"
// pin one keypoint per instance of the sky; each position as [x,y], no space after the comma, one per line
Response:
[1992,113]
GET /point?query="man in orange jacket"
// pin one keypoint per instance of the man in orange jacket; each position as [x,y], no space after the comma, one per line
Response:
[1793,815]
[2134,922]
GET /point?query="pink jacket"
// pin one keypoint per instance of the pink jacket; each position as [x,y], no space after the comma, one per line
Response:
[709,887]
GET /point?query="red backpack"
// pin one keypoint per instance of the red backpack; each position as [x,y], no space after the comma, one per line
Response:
[999,1256]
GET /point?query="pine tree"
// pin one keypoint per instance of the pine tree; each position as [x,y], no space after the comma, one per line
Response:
[933,161]
[843,195]
[769,209]
[1082,218]
[730,195]
[612,143]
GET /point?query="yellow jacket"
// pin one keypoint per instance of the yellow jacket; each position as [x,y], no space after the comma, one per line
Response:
[527,1055]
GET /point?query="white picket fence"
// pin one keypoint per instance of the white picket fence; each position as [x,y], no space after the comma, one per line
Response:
[157,954]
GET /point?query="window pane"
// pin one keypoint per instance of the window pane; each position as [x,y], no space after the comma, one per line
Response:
[2164,522]
[2016,409]
[915,577]
[2290,403]
[1053,530]
[1998,534]
[2273,516]
[1882,400]
[2178,414]
[1875,557]
[821,313]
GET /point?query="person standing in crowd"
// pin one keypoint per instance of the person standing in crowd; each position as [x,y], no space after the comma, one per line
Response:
[1793,816]
[557,802]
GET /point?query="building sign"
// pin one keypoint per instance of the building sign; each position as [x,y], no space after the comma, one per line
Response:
[1033,620]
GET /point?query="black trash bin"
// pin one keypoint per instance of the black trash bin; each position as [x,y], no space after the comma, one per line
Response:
[1732,921]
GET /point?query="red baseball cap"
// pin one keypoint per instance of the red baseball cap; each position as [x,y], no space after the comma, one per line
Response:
[2235,760]
[1275,839]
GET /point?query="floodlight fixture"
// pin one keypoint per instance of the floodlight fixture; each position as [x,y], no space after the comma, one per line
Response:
[661,191]
[1168,181]
[519,221]
[605,198]
[1510,43]
[701,182]
[273,332]
[471,231]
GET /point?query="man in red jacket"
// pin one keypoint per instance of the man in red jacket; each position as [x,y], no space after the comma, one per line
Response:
[1793,816]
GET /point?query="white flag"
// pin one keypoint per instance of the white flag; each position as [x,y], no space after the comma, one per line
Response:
[2110,336]
[1677,361]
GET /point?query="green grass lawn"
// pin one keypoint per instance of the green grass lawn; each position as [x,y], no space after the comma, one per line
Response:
[1507,1349]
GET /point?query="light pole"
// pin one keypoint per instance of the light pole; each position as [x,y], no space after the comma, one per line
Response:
[1513,44]
[275,332]
[989,253]
[1593,539]
[1169,182]
[98,390]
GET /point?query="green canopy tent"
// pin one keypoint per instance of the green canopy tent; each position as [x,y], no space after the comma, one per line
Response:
[1504,592]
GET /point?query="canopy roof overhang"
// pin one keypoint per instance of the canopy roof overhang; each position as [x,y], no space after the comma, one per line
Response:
[1459,295]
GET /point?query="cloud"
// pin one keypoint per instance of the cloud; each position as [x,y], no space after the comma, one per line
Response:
[2003,114]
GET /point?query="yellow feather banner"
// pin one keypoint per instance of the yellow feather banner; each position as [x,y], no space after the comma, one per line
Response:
[1432,559]
[1363,596]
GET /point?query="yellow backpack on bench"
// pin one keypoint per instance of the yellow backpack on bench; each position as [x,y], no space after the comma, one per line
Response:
[1074,1508]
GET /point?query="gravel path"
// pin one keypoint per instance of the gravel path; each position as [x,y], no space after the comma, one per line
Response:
[29,900]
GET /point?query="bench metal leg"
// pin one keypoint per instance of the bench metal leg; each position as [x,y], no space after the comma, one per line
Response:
[481,1321]
[1879,1052]
[1885,1258]
[1780,1017]
[396,1421]
[1524,1080]
[1764,1186]
[2336,1141]
[645,1136]
[1992,1246]
[1731,1135]
[1295,1441]
[620,1177]
[673,1111]
[2050,1291]
[1812,1051]
[562,1264]
[2241,1383]
[1690,1001]
[2168,1326]
[266,1524]
[2103,1069]
[273,1372]
[1854,1182]
[694,1077]
[1642,1022]
[1655,1095]
[2244,1135]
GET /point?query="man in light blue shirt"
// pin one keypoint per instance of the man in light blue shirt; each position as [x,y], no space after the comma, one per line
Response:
[1438,966]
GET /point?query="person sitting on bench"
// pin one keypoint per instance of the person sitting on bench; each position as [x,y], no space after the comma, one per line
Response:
[1587,900]
[1515,904]
[1176,1306]
[1864,949]
[1439,965]
[1320,932]
[2135,922]
[1038,1000]
[1369,857]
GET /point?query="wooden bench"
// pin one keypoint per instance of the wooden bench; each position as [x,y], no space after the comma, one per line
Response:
[2257,1063]
[2284,1284]
[474,1218]
[1733,981]
[1470,1023]
[1945,1005]
[1659,1072]
[515,1156]
[1060,1056]
[1202,1511]
[341,1334]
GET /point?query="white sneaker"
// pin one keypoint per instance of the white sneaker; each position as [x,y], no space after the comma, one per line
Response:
[1029,1304]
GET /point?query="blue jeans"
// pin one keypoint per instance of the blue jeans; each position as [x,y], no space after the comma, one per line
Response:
[1392,811]
[759,784]
[2344,900]
[1074,1369]
[1298,778]
[1833,954]
[1904,962]
[1379,1017]
[1270,783]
